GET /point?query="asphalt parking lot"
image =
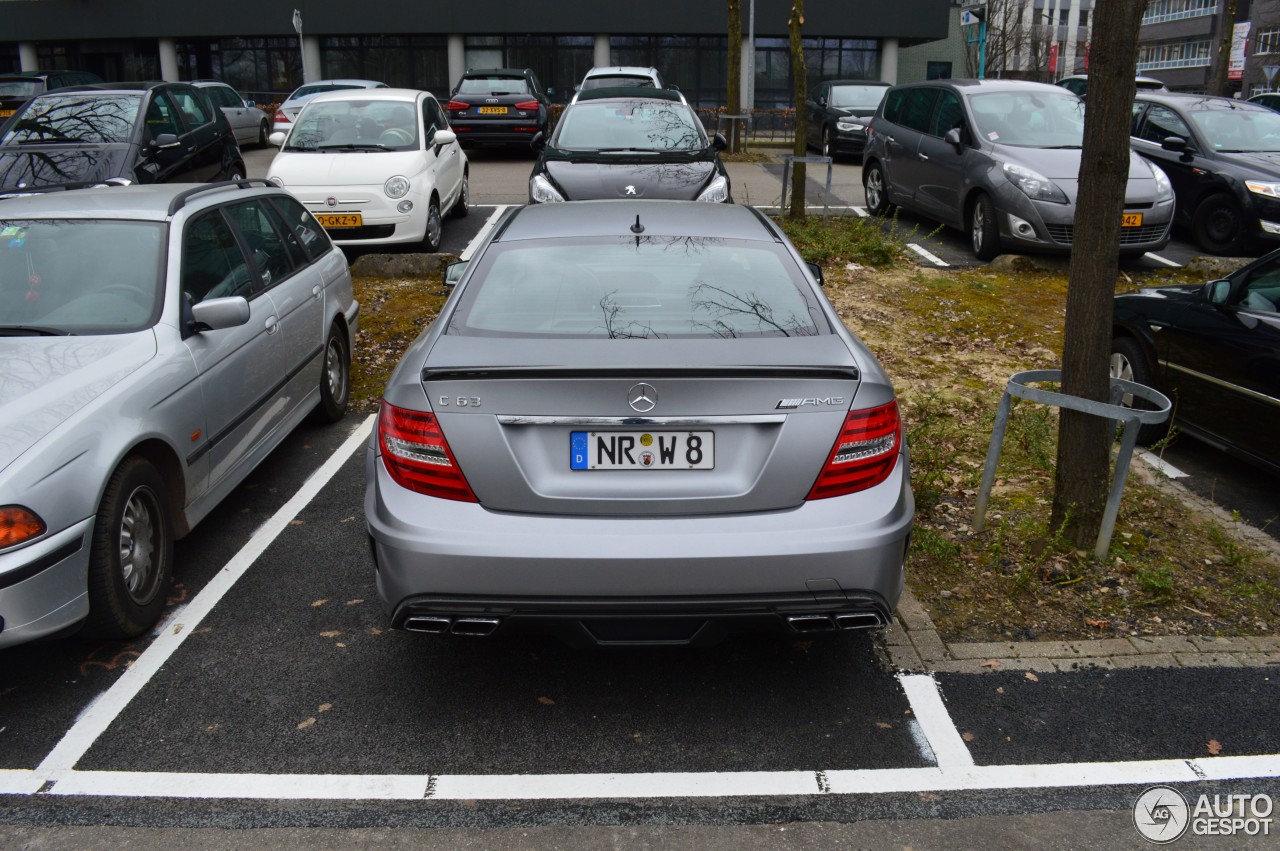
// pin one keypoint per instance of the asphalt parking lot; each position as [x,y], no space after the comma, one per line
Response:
[274,696]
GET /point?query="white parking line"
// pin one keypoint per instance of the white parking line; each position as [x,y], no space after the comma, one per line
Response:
[1166,261]
[1162,465]
[937,261]
[173,631]
[949,750]
[862,212]
[488,225]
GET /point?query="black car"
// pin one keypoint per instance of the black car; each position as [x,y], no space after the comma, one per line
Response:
[1222,157]
[498,106]
[629,143]
[839,113]
[16,89]
[1214,350]
[124,132]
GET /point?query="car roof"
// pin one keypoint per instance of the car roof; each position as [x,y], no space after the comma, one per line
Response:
[151,202]
[618,217]
[630,70]
[627,92]
[857,83]
[387,94]
[970,86]
[1196,102]
[497,72]
[133,87]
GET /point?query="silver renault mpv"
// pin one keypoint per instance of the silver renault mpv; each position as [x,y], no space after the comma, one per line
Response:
[638,422]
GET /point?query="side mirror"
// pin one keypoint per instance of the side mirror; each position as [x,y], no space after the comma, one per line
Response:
[719,142]
[453,272]
[1177,145]
[816,271]
[1217,292]
[217,313]
[551,91]
[277,138]
[249,104]
[539,141]
[445,137]
[953,138]
[164,140]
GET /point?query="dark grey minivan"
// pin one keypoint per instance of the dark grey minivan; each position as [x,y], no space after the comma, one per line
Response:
[999,159]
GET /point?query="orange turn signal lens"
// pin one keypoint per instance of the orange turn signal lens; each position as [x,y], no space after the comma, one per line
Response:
[18,525]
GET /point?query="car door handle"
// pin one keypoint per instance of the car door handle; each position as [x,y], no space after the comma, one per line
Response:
[924,156]
[272,325]
[315,291]
[891,140]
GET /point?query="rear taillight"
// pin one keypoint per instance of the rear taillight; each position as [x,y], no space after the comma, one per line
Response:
[864,454]
[281,118]
[528,104]
[417,456]
[457,106]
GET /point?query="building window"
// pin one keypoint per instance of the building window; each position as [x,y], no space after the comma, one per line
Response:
[1173,54]
[938,71]
[265,70]
[411,62]
[1266,40]
[1159,11]
[557,61]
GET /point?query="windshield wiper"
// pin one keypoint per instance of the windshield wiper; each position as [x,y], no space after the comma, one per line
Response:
[34,331]
[625,151]
[1063,147]
[353,146]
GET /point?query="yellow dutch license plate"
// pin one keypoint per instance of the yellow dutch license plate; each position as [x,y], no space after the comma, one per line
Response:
[340,220]
[493,110]
[1131,220]
[5,113]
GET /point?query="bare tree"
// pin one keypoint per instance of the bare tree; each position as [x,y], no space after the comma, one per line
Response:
[1218,73]
[799,74]
[1017,41]
[1084,441]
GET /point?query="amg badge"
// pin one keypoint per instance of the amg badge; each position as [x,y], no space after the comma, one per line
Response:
[820,400]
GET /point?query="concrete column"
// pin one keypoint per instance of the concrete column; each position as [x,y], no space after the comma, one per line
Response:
[311,69]
[601,56]
[889,60]
[168,61]
[457,60]
[744,77]
[28,59]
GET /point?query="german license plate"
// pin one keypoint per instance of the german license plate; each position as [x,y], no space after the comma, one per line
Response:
[493,110]
[340,220]
[642,450]
[1131,220]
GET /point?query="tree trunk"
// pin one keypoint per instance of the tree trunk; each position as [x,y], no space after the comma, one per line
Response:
[1084,441]
[733,106]
[800,76]
[1218,81]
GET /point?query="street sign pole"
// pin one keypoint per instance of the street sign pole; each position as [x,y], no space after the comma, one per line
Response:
[971,17]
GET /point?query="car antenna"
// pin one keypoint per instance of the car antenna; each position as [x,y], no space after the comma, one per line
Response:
[637,228]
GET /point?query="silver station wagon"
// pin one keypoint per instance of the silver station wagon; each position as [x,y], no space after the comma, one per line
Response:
[638,422]
[156,342]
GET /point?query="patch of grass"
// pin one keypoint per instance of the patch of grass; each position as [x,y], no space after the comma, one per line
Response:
[1156,581]
[840,240]
[392,313]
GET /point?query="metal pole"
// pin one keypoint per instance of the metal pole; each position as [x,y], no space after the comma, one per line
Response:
[750,106]
[982,50]
[302,50]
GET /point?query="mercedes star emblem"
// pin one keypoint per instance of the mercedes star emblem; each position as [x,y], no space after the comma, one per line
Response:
[643,398]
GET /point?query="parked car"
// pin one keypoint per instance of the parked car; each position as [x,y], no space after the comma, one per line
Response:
[499,106]
[638,422]
[1214,350]
[156,343]
[629,143]
[1078,84]
[1222,157]
[17,88]
[839,113]
[376,167]
[289,108]
[999,159]
[250,125]
[1271,100]
[124,132]
[627,76]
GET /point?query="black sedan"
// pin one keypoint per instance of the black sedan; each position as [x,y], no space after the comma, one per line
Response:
[498,106]
[629,143]
[839,113]
[1214,349]
[1222,157]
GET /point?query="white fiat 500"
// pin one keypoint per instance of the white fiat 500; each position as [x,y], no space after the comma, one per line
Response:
[376,167]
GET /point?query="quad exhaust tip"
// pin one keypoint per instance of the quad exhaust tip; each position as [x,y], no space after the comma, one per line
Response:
[475,626]
[440,624]
[838,620]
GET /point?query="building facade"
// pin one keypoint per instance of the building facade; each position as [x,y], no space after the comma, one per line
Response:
[254,45]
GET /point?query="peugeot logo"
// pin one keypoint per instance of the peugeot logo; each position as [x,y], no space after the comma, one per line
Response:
[331,201]
[630,190]
[642,398]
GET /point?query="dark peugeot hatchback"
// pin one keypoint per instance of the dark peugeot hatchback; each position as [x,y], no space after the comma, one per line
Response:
[629,143]
[124,132]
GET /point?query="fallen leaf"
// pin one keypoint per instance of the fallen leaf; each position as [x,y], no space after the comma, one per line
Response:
[375,631]
[1098,623]
[967,736]
[319,603]
[305,724]
[884,726]
[339,644]
[990,663]
[1215,747]
[546,701]
[1032,677]
[325,707]
[296,522]
[332,633]
[999,689]
[354,602]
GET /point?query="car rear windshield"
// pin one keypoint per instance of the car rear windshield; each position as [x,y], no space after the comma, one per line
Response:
[493,85]
[606,81]
[1030,119]
[1235,129]
[20,88]
[321,88]
[632,125]
[857,97]
[80,276]
[75,117]
[374,125]
[638,288]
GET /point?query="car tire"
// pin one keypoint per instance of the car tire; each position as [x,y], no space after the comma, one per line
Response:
[131,553]
[461,206]
[875,190]
[984,232]
[335,377]
[1218,225]
[434,229]
[235,171]
[1129,362]
[264,130]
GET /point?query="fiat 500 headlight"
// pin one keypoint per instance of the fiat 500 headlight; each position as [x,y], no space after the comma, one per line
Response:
[396,187]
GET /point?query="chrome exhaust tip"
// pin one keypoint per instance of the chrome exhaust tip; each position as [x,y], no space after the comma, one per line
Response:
[475,626]
[811,623]
[427,623]
[859,620]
